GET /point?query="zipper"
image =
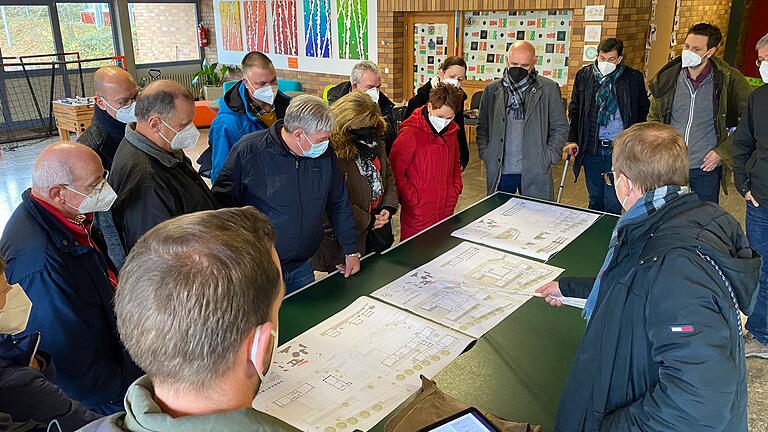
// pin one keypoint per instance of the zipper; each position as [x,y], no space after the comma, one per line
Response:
[301,210]
[690,110]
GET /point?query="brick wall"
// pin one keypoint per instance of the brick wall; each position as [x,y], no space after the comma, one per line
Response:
[633,20]
[716,12]
[161,32]
[207,18]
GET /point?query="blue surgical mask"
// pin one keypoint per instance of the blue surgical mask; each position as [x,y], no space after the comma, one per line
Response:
[315,150]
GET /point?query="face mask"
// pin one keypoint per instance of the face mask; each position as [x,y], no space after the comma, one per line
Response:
[184,139]
[126,114]
[257,362]
[373,93]
[15,314]
[691,59]
[265,94]
[764,71]
[516,74]
[452,81]
[606,68]
[439,123]
[624,201]
[100,199]
[315,150]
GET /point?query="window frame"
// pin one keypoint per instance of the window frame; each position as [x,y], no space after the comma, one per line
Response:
[200,50]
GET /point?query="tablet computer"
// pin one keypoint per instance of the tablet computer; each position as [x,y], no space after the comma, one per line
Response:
[469,420]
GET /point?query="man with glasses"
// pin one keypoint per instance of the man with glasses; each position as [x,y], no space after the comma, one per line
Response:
[251,105]
[54,253]
[152,176]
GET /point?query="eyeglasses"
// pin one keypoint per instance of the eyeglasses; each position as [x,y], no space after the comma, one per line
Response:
[608,177]
[98,187]
[758,62]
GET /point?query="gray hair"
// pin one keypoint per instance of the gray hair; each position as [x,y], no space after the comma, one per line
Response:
[159,98]
[762,42]
[192,289]
[359,69]
[48,172]
[310,114]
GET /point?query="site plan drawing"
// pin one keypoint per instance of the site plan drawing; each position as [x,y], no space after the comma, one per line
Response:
[528,228]
[353,369]
[470,288]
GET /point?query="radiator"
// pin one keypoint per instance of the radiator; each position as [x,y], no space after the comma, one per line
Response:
[185,79]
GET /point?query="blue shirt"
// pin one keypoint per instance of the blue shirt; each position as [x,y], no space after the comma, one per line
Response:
[613,128]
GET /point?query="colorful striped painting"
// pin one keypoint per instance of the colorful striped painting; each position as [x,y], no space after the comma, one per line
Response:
[317,28]
[284,27]
[231,33]
[255,17]
[353,29]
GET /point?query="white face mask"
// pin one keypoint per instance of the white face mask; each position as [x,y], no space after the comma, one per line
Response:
[439,123]
[373,92]
[691,59]
[126,114]
[265,94]
[100,199]
[624,201]
[184,139]
[764,71]
[257,363]
[15,314]
[606,68]
[452,81]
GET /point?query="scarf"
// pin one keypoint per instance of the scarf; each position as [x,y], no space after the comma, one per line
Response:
[366,153]
[517,92]
[647,205]
[606,96]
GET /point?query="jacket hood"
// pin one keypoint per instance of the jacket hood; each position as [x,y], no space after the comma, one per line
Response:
[233,101]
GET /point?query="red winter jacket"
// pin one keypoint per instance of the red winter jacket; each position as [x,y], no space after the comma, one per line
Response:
[427,172]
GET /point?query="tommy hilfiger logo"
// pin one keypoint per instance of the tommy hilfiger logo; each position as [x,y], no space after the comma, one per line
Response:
[682,328]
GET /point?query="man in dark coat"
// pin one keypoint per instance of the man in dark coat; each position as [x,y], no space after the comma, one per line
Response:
[663,348]
[52,251]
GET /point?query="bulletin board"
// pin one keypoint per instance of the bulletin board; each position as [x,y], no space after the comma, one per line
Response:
[430,49]
[488,35]
[325,36]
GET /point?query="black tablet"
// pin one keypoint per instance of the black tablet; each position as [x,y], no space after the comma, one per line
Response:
[469,420]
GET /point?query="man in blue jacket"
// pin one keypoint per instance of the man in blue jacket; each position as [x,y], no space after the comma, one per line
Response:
[253,104]
[52,251]
[289,173]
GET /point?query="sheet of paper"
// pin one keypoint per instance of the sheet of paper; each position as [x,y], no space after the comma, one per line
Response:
[470,288]
[354,368]
[528,228]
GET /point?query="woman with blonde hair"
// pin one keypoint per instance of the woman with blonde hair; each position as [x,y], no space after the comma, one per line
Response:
[357,141]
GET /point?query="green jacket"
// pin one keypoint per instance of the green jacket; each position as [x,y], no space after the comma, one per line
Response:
[144,415]
[731,92]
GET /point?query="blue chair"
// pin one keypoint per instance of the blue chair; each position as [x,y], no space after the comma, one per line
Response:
[289,86]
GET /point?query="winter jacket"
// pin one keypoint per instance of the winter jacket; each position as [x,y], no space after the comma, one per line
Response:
[750,148]
[545,130]
[233,121]
[330,254]
[427,172]
[663,350]
[385,105]
[730,99]
[71,296]
[103,136]
[30,394]
[152,186]
[292,191]
[144,415]
[582,111]
[421,98]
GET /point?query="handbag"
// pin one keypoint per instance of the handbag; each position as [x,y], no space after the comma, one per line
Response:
[379,240]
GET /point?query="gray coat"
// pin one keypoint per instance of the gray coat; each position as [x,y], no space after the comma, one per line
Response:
[545,130]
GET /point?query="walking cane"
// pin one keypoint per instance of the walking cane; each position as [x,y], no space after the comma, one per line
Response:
[562,180]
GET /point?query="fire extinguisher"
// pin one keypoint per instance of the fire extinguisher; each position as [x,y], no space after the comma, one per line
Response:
[202,35]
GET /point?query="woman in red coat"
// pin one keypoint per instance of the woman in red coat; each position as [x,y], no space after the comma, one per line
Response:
[425,161]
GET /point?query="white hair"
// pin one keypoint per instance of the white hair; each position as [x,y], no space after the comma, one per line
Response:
[308,113]
[50,172]
[364,66]
[762,42]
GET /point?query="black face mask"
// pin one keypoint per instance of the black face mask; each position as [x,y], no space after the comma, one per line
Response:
[364,134]
[517,74]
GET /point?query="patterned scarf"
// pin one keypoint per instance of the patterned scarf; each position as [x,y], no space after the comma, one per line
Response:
[517,93]
[366,153]
[647,205]
[606,96]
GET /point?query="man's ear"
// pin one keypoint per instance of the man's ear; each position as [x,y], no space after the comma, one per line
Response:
[56,194]
[100,103]
[262,347]
[155,123]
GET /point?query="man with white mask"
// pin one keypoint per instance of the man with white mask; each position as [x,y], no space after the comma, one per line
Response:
[702,97]
[608,97]
[750,174]
[152,176]
[203,327]
[59,259]
[251,105]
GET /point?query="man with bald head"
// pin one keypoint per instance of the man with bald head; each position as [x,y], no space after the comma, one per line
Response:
[152,176]
[52,251]
[521,127]
[116,93]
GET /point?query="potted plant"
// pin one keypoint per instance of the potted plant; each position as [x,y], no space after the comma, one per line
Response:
[210,79]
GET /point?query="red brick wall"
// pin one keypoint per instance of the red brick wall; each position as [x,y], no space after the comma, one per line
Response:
[716,12]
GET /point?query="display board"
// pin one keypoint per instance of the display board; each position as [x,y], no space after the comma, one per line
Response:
[430,49]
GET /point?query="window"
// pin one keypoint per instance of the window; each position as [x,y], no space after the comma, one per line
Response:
[87,28]
[164,32]
[25,30]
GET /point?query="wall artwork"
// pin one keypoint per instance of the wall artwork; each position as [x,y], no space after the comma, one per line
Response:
[488,35]
[284,27]
[430,48]
[255,17]
[317,28]
[231,32]
[353,29]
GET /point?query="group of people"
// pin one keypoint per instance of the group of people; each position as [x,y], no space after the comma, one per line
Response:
[123,269]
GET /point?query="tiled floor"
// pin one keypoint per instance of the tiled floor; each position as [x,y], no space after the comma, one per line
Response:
[15,177]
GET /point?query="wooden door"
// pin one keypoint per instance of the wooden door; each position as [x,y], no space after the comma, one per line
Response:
[430,38]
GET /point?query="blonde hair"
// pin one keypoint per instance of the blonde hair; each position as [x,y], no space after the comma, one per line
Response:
[651,155]
[356,110]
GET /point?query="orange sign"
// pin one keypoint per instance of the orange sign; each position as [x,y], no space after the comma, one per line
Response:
[293,62]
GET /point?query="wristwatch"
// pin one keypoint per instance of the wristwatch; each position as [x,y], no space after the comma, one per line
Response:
[356,255]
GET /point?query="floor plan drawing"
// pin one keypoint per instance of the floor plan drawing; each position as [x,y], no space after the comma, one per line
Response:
[528,228]
[470,288]
[355,367]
